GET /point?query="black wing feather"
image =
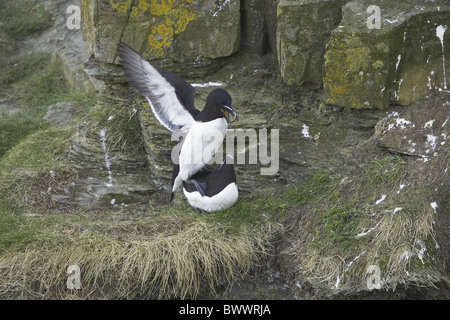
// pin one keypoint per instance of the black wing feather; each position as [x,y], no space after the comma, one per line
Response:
[185,92]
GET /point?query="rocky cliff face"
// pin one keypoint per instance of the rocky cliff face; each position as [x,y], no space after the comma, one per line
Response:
[401,62]
[175,31]
[365,56]
[304,28]
[191,38]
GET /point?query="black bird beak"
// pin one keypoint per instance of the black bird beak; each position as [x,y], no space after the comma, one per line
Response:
[227,111]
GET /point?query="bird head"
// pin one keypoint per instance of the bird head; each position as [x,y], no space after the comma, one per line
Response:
[220,100]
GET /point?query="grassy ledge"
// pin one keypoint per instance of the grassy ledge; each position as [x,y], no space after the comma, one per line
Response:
[361,220]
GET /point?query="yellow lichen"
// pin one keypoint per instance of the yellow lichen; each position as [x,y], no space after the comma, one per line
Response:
[159,9]
[169,22]
[177,13]
[357,58]
[122,6]
[143,5]
[134,12]
[163,30]
[185,15]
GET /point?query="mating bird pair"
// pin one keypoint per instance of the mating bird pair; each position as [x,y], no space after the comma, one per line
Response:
[173,103]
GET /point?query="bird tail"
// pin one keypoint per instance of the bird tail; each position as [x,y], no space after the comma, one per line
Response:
[176,183]
[175,171]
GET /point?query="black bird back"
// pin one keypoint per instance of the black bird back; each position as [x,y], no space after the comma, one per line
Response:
[214,180]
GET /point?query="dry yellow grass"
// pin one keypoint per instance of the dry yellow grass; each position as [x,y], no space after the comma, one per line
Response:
[170,257]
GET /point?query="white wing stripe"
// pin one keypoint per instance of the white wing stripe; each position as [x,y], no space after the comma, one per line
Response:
[166,106]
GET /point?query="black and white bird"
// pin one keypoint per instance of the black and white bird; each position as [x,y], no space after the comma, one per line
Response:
[173,103]
[212,189]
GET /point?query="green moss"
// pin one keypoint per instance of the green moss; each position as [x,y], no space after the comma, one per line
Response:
[357,59]
[27,78]
[378,64]
[30,149]
[356,70]
[345,59]
[19,232]
[38,151]
[33,166]
[46,86]
[22,66]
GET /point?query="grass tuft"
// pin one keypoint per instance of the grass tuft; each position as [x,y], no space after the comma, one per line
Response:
[321,184]
[121,123]
[343,230]
[386,170]
[340,227]
[19,19]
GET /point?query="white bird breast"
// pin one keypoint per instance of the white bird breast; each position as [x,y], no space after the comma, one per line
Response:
[223,200]
[200,145]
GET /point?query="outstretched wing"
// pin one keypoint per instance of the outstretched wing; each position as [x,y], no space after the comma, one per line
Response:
[184,91]
[160,93]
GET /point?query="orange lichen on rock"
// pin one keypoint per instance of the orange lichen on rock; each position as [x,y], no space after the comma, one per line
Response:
[178,14]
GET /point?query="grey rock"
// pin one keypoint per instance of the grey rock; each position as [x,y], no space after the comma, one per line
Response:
[8,109]
[422,130]
[259,25]
[304,28]
[181,31]
[61,113]
[400,63]
[109,172]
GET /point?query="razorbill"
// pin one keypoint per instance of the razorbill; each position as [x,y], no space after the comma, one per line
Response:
[212,189]
[172,102]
